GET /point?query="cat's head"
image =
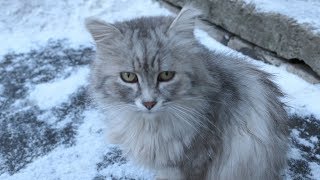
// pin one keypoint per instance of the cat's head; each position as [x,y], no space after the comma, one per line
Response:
[147,65]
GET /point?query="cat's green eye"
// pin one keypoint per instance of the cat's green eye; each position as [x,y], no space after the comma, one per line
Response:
[165,76]
[129,77]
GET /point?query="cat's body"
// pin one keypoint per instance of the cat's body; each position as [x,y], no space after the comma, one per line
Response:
[212,116]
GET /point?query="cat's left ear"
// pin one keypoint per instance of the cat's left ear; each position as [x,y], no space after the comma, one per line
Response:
[101,30]
[185,21]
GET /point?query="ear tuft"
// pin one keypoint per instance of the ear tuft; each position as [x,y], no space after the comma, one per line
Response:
[185,21]
[100,30]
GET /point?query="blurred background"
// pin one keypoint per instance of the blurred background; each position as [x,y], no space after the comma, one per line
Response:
[49,129]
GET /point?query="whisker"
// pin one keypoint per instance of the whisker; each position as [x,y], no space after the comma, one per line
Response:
[188,118]
[183,118]
[199,115]
[202,139]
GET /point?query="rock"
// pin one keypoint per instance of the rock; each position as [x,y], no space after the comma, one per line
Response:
[274,32]
[300,69]
[269,57]
[247,48]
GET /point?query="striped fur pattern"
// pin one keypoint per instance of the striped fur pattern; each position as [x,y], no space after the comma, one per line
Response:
[218,118]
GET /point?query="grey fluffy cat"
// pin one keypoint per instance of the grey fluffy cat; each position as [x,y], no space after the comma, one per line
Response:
[182,110]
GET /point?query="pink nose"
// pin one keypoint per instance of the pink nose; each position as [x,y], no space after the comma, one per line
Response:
[149,105]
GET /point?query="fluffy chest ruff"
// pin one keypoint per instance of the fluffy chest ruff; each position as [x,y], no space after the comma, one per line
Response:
[152,140]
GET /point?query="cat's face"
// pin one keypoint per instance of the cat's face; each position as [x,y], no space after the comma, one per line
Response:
[149,88]
[146,65]
[148,82]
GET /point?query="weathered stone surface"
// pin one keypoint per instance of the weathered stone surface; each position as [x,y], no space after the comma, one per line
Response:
[249,49]
[270,57]
[274,32]
[302,70]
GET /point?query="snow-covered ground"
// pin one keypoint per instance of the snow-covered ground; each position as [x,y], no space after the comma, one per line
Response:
[49,129]
[302,11]
[28,24]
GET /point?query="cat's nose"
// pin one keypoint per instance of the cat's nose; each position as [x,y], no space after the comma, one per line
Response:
[149,105]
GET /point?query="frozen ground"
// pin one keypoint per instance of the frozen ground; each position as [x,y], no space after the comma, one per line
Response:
[49,129]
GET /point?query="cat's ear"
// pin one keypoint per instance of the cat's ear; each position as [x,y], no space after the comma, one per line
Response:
[185,21]
[101,30]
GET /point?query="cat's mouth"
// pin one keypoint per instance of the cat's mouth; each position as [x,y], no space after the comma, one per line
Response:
[151,111]
[159,111]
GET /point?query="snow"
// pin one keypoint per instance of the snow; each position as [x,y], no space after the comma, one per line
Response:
[295,153]
[315,168]
[29,25]
[52,94]
[295,133]
[77,162]
[314,139]
[303,11]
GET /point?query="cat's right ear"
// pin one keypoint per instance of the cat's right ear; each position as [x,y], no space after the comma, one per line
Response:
[101,30]
[185,21]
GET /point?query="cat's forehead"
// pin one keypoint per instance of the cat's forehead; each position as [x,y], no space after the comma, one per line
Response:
[144,25]
[149,55]
[140,55]
[145,43]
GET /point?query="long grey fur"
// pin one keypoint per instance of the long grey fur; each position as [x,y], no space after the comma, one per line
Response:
[219,118]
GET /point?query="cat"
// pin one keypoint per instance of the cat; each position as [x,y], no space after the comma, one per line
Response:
[182,110]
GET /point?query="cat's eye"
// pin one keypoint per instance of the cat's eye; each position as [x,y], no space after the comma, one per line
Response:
[166,76]
[129,77]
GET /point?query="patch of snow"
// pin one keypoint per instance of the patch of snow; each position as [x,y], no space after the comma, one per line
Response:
[296,134]
[126,170]
[79,161]
[211,43]
[315,170]
[48,95]
[49,118]
[303,11]
[314,139]
[29,24]
[294,153]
